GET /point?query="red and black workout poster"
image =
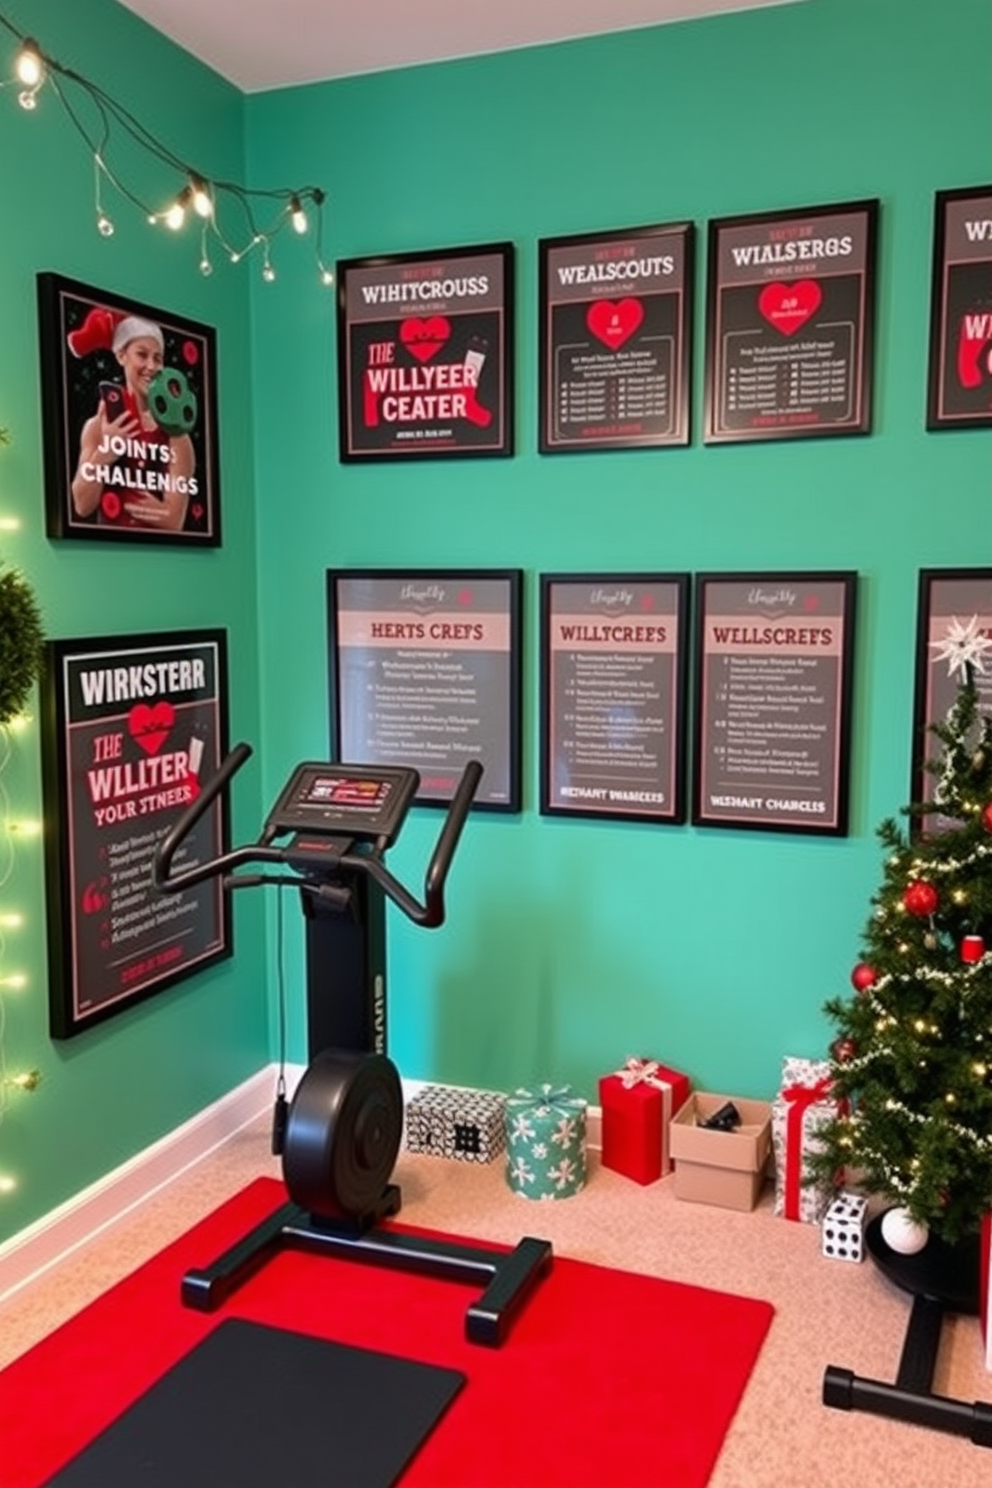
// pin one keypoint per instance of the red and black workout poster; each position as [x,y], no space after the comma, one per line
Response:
[960,381]
[425,351]
[615,338]
[132,727]
[790,312]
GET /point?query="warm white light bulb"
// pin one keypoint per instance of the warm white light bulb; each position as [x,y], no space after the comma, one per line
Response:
[7,1183]
[29,67]
[104,226]
[206,267]
[297,215]
[268,273]
[11,921]
[16,981]
[202,204]
[175,216]
[9,524]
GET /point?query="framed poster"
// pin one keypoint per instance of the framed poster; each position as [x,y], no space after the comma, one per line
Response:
[129,406]
[132,724]
[614,653]
[959,391]
[615,337]
[425,354]
[425,671]
[773,700]
[950,601]
[790,314]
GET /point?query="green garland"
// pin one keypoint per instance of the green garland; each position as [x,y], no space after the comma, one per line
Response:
[21,637]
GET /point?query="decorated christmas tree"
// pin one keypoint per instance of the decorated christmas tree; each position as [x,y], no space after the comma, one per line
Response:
[912,1061]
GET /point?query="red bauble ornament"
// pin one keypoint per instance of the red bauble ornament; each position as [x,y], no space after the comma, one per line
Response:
[863,977]
[987,817]
[920,898]
[843,1049]
[972,949]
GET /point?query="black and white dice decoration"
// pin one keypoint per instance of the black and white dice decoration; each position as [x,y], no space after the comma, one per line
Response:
[843,1228]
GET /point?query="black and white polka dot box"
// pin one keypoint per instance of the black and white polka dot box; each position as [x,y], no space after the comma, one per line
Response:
[842,1233]
[449,1121]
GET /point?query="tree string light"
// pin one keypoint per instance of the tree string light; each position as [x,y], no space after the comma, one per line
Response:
[98,118]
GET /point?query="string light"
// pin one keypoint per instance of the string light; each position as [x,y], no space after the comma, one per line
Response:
[100,121]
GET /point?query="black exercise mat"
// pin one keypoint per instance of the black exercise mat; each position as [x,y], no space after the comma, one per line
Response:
[253,1406]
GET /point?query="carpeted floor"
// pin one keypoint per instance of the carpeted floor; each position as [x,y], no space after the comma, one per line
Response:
[826,1312]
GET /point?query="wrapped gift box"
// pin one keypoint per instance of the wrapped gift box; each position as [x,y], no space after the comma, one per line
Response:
[726,1168]
[801,1109]
[546,1142]
[469,1125]
[638,1103]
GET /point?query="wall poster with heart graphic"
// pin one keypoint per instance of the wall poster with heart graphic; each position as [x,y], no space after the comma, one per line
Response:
[131,728]
[129,403]
[960,372]
[790,313]
[615,338]
[425,354]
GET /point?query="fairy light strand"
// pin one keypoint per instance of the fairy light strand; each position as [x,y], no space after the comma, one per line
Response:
[264,213]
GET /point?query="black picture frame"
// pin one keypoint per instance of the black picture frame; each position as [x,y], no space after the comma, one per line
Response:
[774,657]
[614,688]
[615,339]
[112,789]
[425,354]
[425,670]
[959,372]
[157,483]
[945,596]
[770,277]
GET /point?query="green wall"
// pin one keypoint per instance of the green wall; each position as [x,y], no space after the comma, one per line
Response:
[569,944]
[112,1090]
[572,944]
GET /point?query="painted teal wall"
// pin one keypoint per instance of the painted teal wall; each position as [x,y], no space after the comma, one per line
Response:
[111,1091]
[572,944]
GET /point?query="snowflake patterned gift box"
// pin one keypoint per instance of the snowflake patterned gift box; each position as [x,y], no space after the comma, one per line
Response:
[638,1103]
[802,1107]
[546,1142]
[447,1121]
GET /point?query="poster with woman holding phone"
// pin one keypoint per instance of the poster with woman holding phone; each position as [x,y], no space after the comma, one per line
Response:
[130,409]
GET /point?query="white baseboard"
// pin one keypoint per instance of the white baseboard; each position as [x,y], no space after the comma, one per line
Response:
[34,1250]
[53,1237]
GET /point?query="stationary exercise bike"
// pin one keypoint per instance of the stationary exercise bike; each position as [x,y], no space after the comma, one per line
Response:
[340,1133]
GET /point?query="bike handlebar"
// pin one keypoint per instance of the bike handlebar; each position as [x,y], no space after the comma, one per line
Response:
[429,914]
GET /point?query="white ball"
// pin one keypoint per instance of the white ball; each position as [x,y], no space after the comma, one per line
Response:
[902,1233]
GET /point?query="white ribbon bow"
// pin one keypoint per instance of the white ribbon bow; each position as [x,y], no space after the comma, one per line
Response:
[640,1072]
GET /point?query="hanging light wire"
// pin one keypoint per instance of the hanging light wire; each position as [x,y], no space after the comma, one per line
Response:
[285,207]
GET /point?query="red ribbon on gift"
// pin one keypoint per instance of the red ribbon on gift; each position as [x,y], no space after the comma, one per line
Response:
[799,1098]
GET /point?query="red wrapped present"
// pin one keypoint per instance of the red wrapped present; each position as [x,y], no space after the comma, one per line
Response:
[638,1103]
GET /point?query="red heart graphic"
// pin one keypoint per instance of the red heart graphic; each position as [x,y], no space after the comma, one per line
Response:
[150,727]
[424,338]
[614,321]
[789,306]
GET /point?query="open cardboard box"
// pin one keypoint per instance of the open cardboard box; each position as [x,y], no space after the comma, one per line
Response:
[716,1167]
